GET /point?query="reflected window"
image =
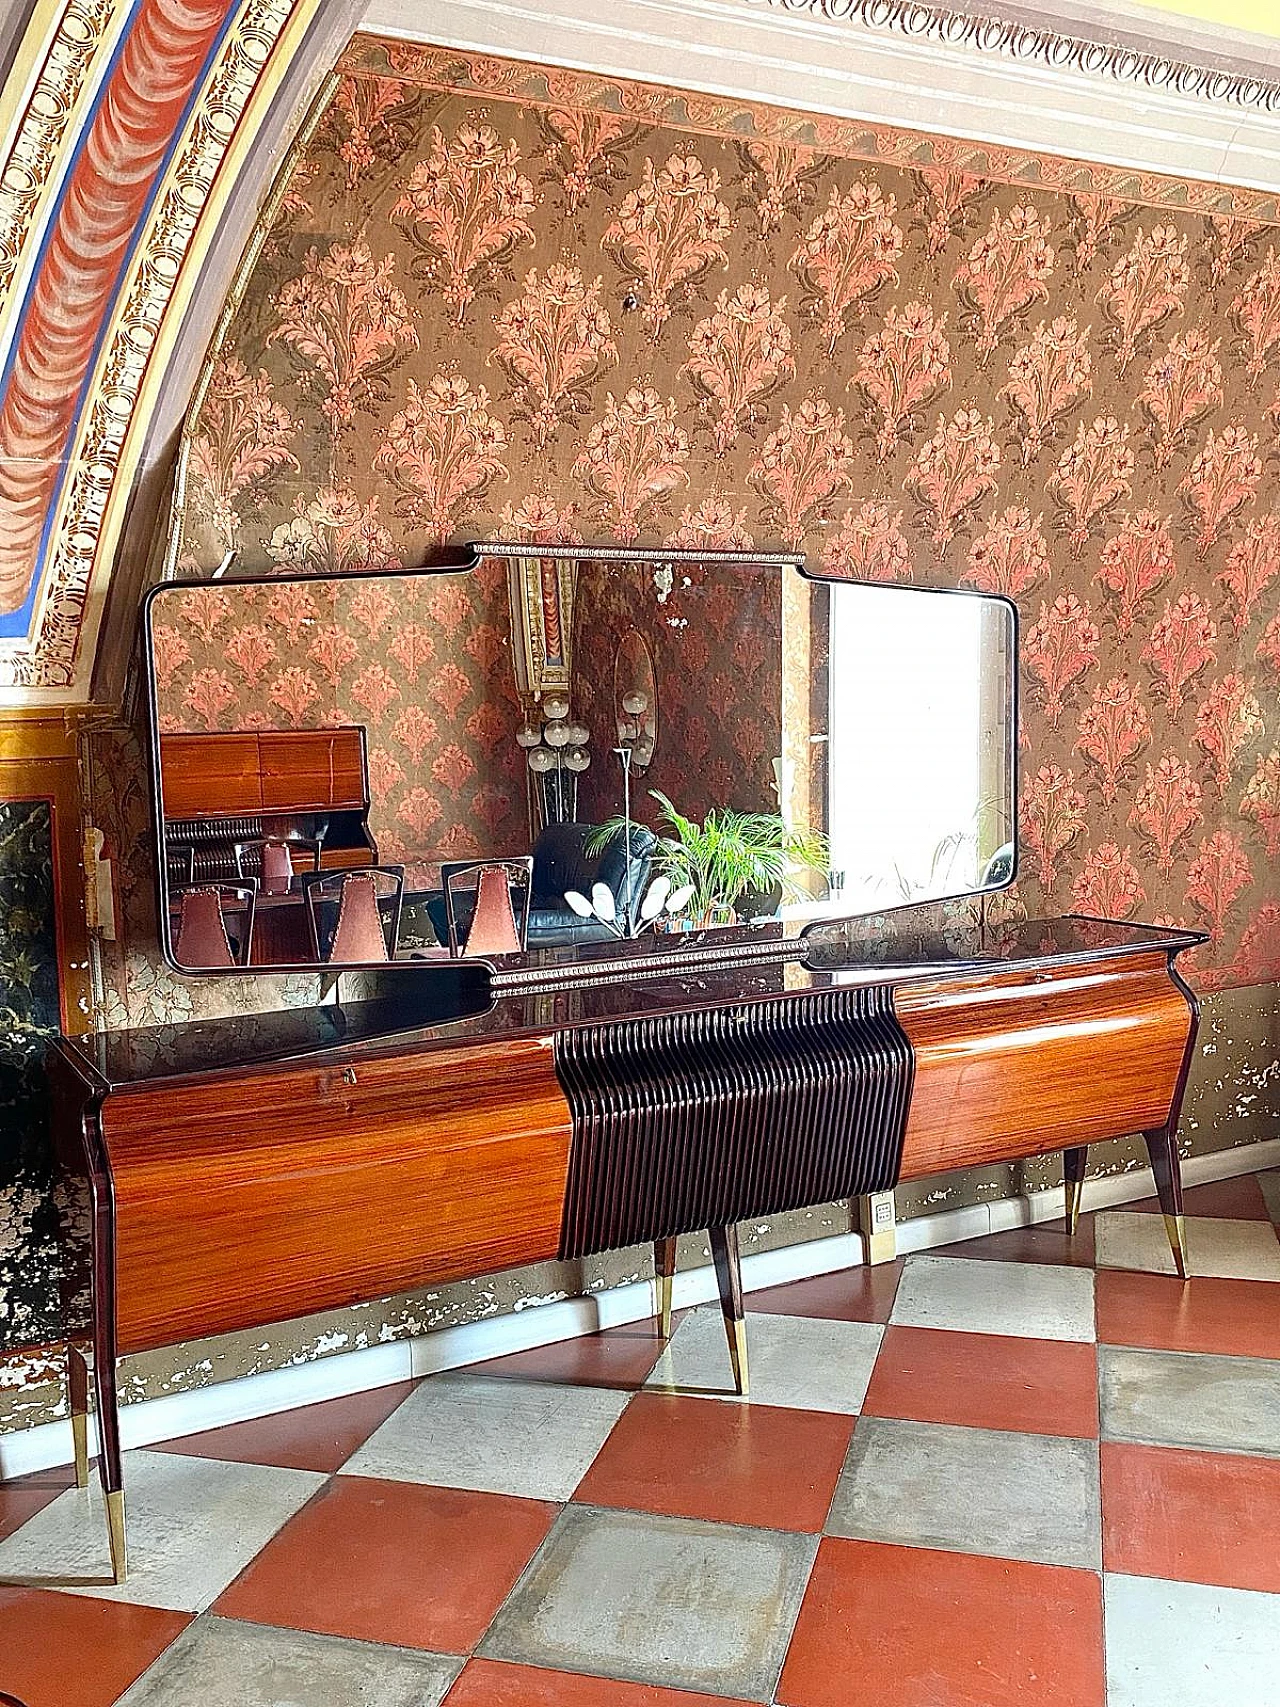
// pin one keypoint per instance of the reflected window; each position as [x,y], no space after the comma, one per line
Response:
[917,745]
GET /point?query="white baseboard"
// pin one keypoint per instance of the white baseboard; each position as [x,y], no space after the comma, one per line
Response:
[151,1420]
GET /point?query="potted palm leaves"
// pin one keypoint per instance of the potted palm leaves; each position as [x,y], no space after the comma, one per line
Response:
[729,861]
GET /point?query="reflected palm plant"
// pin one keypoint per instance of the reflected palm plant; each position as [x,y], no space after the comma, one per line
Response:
[711,867]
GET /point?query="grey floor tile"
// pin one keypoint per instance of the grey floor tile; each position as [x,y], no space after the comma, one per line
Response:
[697,1606]
[534,1439]
[1188,1645]
[1027,1300]
[218,1663]
[1174,1398]
[193,1525]
[1217,1247]
[971,1490]
[797,1362]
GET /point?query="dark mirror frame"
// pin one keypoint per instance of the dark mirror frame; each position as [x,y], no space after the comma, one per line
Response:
[547,968]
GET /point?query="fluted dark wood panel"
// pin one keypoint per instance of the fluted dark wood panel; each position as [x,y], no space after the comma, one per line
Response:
[687,1121]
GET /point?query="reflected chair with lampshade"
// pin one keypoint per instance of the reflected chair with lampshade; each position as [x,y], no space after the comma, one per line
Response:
[495,925]
[355,915]
[210,934]
[275,860]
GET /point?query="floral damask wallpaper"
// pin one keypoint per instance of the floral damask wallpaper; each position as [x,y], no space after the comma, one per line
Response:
[715,641]
[486,311]
[423,665]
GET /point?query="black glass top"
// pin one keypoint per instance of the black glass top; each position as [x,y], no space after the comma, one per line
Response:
[434,1007]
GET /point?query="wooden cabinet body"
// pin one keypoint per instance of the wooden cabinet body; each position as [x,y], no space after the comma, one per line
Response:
[1013,1066]
[272,770]
[315,1187]
[239,1173]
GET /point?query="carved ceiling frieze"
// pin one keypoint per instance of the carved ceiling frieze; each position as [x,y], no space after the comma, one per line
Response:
[1057,50]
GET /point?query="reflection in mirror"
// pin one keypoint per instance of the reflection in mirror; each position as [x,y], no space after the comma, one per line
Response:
[635,696]
[464,762]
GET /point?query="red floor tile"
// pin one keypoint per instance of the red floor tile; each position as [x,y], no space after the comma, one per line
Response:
[66,1650]
[492,1683]
[1237,1199]
[863,1294]
[1047,1241]
[751,1464]
[621,1357]
[313,1437]
[23,1498]
[1199,1517]
[904,1626]
[1234,1318]
[421,1567]
[986,1381]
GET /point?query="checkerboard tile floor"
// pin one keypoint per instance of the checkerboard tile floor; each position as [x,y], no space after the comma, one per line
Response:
[1024,1469]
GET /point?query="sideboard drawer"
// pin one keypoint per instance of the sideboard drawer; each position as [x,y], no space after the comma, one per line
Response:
[319,1186]
[1013,1066]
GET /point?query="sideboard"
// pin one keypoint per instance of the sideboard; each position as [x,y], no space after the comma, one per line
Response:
[229,1174]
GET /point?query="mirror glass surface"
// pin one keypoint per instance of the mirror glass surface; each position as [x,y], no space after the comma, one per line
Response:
[541,752]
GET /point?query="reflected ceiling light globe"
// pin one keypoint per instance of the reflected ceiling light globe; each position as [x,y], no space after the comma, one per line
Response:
[555,708]
[579,734]
[635,702]
[557,735]
[528,736]
[577,759]
[643,752]
[541,759]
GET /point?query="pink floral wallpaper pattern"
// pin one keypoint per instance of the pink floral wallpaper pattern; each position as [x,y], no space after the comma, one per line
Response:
[423,665]
[501,302]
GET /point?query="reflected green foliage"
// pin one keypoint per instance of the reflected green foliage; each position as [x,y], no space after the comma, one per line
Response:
[731,858]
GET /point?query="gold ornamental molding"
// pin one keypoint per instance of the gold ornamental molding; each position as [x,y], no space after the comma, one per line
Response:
[52,80]
[1053,49]
[145,320]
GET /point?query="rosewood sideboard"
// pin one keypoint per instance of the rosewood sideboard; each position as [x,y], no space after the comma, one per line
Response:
[239,1172]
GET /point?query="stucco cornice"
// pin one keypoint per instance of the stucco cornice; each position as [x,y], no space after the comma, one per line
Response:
[1057,49]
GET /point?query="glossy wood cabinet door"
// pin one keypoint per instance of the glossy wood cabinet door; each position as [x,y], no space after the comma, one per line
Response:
[312,1187]
[204,775]
[311,769]
[275,770]
[1011,1065]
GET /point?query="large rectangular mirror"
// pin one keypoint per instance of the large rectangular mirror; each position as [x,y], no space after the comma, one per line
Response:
[542,751]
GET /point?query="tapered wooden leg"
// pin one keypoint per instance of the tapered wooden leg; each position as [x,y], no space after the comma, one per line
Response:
[110,1463]
[664,1273]
[724,1252]
[1162,1147]
[1073,1163]
[78,1405]
[116,1535]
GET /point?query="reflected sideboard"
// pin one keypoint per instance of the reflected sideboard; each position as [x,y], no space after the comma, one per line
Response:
[229,1174]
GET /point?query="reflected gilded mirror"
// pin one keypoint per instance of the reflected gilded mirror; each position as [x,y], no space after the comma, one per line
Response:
[542,752]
